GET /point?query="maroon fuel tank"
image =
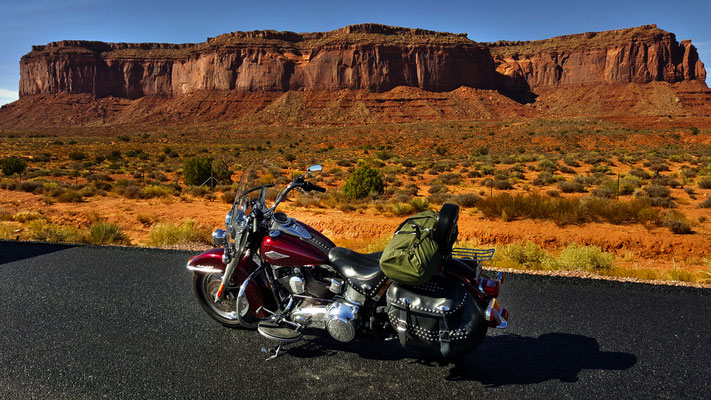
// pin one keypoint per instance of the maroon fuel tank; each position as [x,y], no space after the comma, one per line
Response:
[289,250]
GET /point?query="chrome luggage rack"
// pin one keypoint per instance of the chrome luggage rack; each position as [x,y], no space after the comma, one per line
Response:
[477,255]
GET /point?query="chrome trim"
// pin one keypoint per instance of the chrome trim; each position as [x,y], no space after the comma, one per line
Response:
[275,255]
[203,268]
[240,294]
[293,228]
[220,237]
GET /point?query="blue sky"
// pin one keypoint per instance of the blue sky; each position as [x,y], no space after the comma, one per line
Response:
[23,24]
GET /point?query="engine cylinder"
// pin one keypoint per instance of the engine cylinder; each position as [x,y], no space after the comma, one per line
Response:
[341,321]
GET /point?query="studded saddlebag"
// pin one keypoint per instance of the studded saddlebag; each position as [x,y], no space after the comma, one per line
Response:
[439,318]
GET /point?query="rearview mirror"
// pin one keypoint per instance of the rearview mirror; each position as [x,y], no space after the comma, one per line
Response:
[314,170]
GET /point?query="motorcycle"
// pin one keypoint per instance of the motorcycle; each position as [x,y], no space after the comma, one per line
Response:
[277,275]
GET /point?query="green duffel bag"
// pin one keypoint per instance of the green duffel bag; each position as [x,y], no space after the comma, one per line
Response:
[412,256]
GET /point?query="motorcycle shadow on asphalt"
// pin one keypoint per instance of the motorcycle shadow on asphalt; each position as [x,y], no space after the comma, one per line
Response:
[500,360]
[518,360]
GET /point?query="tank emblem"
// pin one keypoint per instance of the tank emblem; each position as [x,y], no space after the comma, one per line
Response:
[275,255]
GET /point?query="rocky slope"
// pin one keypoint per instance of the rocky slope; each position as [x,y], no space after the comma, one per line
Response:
[369,57]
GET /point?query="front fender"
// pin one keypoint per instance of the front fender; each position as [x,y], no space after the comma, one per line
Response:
[258,293]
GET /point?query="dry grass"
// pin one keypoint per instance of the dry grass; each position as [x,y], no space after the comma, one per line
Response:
[168,234]
[567,210]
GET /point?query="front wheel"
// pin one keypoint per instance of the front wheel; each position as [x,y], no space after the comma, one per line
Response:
[205,287]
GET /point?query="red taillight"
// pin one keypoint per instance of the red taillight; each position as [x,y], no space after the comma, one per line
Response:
[495,315]
[489,287]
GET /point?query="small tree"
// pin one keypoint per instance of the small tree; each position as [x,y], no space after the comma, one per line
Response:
[196,170]
[12,165]
[221,172]
[363,181]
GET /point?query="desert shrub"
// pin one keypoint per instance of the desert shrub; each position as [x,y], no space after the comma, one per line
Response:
[229,196]
[12,165]
[441,198]
[547,165]
[589,258]
[567,170]
[467,199]
[197,170]
[151,191]
[528,255]
[678,274]
[568,210]
[706,203]
[571,162]
[401,209]
[362,182]
[487,169]
[107,233]
[77,156]
[571,187]
[607,188]
[114,156]
[222,172]
[705,183]
[70,196]
[546,178]
[5,215]
[677,223]
[659,167]
[640,173]
[666,181]
[450,178]
[664,202]
[503,184]
[553,193]
[168,234]
[25,216]
[31,186]
[199,191]
[43,231]
[420,204]
[7,231]
[437,188]
[657,191]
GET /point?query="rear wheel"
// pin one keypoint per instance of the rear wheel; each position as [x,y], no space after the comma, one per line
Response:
[205,288]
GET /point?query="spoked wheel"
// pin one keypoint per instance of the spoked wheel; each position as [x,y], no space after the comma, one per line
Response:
[205,287]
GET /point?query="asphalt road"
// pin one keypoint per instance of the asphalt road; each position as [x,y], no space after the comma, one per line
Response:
[91,322]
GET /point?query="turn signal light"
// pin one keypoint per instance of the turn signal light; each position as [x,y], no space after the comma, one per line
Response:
[489,287]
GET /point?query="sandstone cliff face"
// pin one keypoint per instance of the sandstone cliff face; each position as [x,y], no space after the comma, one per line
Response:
[368,56]
[637,55]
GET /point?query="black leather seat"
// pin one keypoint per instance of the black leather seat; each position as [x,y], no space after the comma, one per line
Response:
[361,270]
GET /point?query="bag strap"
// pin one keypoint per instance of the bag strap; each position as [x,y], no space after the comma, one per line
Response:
[403,321]
[444,338]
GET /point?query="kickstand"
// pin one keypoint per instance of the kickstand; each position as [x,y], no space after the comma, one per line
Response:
[275,352]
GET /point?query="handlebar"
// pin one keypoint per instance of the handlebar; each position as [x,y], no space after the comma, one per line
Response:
[308,186]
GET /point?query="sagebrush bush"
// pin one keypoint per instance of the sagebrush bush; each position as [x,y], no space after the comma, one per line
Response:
[589,258]
[362,182]
[43,231]
[107,233]
[25,216]
[529,255]
[168,234]
[677,223]
[420,204]
[705,183]
[706,203]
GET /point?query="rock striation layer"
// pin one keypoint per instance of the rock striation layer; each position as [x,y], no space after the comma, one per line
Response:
[369,57]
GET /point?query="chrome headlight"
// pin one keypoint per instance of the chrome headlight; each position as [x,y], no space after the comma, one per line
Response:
[220,238]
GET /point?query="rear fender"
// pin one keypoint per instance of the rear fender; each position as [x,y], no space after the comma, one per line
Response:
[258,293]
[467,273]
